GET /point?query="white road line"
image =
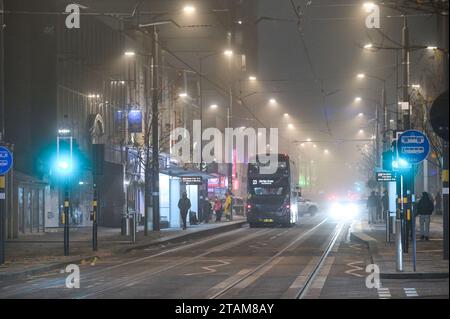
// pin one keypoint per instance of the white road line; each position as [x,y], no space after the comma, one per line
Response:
[320,280]
[251,279]
[301,279]
[411,292]
[384,293]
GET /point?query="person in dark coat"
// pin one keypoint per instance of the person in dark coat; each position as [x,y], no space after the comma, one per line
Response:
[184,204]
[372,207]
[207,207]
[425,208]
[379,208]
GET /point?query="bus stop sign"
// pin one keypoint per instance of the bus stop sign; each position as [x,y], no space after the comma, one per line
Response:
[6,160]
[413,146]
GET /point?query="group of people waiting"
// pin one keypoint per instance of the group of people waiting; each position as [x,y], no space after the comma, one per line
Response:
[184,204]
[378,209]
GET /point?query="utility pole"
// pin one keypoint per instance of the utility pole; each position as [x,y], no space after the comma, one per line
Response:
[155,135]
[443,21]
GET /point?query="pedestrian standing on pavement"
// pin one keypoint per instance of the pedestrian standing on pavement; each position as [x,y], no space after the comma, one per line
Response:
[379,208]
[425,208]
[218,209]
[438,203]
[372,207]
[206,210]
[227,206]
[184,204]
[385,203]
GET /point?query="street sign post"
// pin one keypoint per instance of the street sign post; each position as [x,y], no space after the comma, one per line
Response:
[6,160]
[413,147]
[6,163]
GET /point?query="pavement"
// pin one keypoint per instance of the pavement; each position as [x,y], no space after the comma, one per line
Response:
[429,262]
[32,254]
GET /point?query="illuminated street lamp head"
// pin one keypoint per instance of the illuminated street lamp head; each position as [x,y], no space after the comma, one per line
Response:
[214,106]
[326,151]
[130,53]
[290,126]
[189,9]
[228,53]
[358,99]
[415,86]
[308,140]
[315,146]
[252,78]
[368,46]
[360,114]
[391,120]
[286,115]
[368,6]
[361,131]
[361,76]
[183,94]
[431,47]
[273,101]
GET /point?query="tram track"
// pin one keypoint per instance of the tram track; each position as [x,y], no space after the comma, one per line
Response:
[271,260]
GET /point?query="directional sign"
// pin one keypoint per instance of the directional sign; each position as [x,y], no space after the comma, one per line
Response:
[6,160]
[191,180]
[385,177]
[413,146]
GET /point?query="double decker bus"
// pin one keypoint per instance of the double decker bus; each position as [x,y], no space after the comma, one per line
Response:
[272,198]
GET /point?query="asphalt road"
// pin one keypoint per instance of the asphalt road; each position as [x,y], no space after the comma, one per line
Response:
[245,263]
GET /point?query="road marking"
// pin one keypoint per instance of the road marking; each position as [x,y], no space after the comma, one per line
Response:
[411,292]
[320,280]
[355,268]
[251,279]
[301,279]
[384,293]
[211,268]
[355,246]
[223,284]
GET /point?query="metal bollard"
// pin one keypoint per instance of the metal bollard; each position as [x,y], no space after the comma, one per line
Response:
[398,245]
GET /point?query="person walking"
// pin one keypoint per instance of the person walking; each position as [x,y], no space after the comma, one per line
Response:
[206,210]
[372,207]
[227,206]
[184,204]
[218,209]
[425,208]
[438,203]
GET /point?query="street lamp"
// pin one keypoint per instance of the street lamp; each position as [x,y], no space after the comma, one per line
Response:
[189,9]
[273,101]
[368,46]
[358,99]
[214,106]
[360,114]
[361,76]
[130,53]
[368,6]
[183,94]
[252,78]
[228,53]
[290,126]
[286,115]
[432,47]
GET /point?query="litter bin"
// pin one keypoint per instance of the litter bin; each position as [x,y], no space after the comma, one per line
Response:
[127,223]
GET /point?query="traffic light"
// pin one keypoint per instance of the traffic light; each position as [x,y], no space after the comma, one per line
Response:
[64,165]
[400,164]
[388,159]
